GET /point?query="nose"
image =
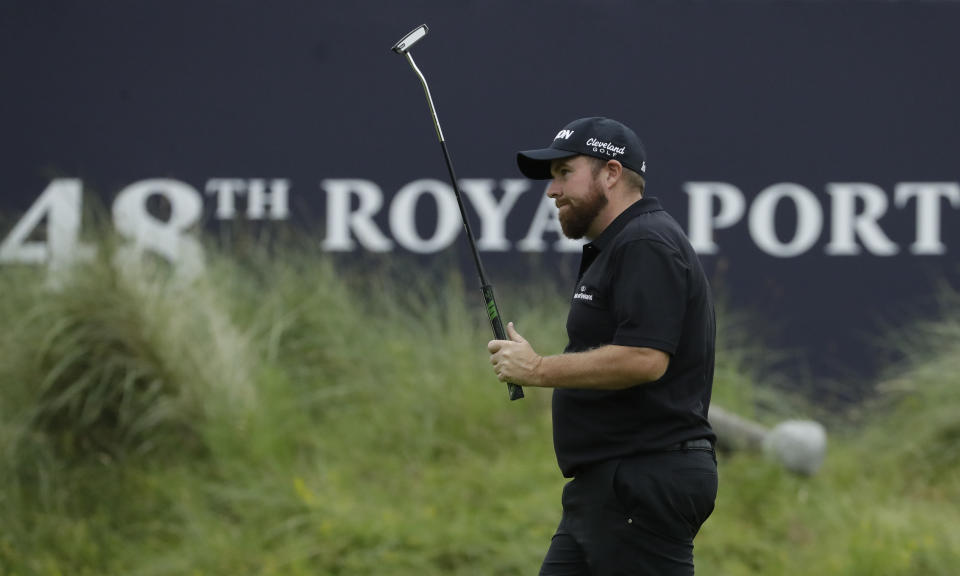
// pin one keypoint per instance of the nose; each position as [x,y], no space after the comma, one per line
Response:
[553,189]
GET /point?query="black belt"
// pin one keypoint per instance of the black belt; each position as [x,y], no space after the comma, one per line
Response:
[698,444]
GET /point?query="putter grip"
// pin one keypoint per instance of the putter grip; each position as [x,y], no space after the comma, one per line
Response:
[516,392]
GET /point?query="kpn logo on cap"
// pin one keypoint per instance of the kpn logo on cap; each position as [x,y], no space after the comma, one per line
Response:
[595,136]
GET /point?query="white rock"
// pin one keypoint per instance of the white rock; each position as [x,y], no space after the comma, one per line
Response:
[800,445]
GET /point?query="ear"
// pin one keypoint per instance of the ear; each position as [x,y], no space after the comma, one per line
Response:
[613,173]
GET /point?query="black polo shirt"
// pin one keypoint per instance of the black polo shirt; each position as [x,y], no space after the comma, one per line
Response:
[640,284]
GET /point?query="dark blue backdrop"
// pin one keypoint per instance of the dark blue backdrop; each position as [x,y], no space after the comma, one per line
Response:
[751,94]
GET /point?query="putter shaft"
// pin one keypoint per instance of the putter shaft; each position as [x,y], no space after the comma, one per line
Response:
[493,313]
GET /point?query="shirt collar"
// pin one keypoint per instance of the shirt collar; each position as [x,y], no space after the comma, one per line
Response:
[641,206]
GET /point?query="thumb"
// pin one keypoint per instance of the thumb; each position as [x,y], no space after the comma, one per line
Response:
[514,335]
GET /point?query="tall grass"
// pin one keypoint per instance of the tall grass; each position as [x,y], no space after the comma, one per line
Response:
[278,416]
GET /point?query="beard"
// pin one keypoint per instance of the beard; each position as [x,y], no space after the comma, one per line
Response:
[577,218]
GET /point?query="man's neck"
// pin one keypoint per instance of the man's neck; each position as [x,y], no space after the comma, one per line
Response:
[616,206]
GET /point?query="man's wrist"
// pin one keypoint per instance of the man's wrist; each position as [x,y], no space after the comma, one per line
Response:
[539,377]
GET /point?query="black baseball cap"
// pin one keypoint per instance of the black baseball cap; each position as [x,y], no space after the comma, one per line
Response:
[595,136]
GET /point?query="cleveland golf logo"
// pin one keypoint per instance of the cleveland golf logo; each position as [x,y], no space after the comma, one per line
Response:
[606,147]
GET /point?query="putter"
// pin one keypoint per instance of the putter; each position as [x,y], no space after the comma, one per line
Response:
[403,47]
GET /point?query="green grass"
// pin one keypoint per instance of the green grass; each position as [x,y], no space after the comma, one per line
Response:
[279,416]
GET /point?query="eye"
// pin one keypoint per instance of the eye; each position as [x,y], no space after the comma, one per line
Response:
[562,171]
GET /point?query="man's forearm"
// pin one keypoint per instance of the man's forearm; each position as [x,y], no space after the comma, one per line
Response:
[606,368]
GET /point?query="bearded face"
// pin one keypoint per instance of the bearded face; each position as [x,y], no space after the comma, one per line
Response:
[577,215]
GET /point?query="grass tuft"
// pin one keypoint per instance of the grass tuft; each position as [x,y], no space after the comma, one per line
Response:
[279,415]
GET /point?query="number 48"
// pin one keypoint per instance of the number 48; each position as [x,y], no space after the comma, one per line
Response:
[61,205]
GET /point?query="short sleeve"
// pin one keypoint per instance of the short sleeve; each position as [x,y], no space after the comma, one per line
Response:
[649,295]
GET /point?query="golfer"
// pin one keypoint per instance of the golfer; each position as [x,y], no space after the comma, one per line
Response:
[632,388]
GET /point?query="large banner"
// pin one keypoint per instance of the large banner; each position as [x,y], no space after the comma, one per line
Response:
[810,149]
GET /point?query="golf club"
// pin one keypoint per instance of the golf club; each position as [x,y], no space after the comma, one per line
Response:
[403,47]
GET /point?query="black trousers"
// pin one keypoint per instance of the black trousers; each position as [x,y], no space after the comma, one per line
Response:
[634,516]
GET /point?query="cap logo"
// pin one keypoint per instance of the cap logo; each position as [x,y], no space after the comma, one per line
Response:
[606,147]
[564,134]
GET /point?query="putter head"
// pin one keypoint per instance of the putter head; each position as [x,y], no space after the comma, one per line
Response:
[410,39]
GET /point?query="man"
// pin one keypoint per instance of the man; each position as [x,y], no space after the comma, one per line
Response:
[632,388]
